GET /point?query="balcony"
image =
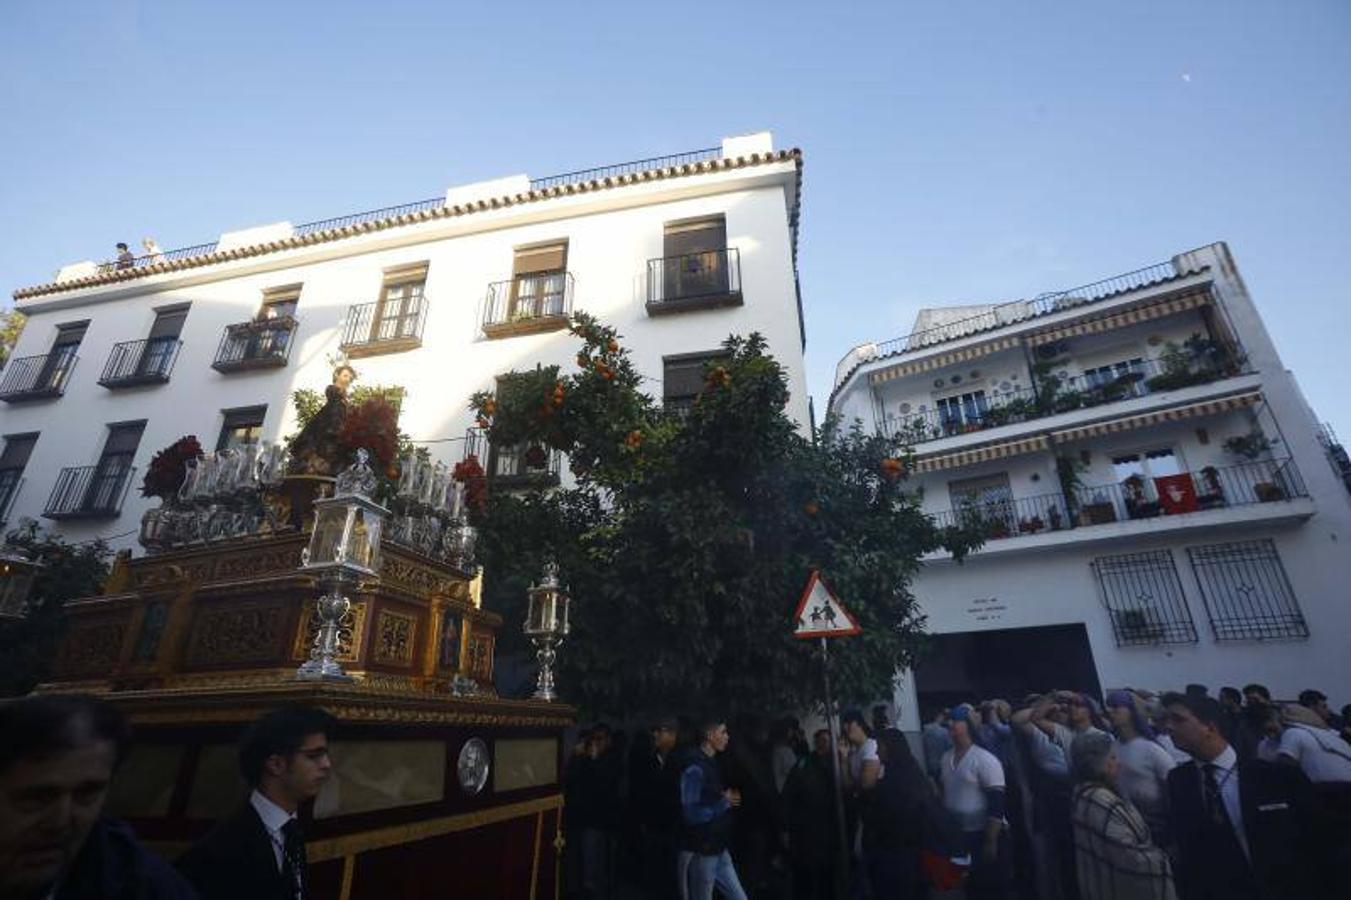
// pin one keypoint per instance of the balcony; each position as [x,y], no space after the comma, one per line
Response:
[136,363]
[37,377]
[514,468]
[372,329]
[1056,395]
[259,344]
[1211,488]
[528,304]
[89,492]
[705,280]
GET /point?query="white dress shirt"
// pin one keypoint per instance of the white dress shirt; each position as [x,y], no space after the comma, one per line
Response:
[1226,776]
[274,817]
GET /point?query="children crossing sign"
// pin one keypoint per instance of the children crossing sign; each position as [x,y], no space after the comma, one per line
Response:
[820,614]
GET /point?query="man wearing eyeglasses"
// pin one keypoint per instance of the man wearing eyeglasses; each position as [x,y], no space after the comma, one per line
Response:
[259,851]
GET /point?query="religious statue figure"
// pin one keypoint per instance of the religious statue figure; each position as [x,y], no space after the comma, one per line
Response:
[315,450]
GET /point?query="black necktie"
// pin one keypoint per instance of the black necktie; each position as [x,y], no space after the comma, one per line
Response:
[293,859]
[1213,798]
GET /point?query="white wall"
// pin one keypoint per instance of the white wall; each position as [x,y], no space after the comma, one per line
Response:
[607,255]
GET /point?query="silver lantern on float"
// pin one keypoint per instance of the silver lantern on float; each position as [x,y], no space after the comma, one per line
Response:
[344,551]
[546,624]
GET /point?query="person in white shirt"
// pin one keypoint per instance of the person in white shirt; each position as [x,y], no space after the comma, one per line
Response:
[1295,735]
[1143,765]
[973,792]
[1079,710]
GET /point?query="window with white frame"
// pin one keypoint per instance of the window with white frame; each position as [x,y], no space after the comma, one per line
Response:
[963,409]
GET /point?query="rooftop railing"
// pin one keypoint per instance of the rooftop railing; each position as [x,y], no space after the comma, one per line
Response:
[628,168]
[387,212]
[150,259]
[370,215]
[89,492]
[37,377]
[134,363]
[1002,314]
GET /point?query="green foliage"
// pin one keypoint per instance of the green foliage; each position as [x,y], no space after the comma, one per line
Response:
[28,646]
[11,326]
[688,540]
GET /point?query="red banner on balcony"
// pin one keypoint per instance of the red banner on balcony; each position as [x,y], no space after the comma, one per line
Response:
[1177,494]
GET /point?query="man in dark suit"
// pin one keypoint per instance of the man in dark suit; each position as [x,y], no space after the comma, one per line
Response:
[259,852]
[1244,828]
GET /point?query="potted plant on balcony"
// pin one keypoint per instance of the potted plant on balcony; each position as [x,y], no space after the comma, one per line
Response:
[1031,526]
[1212,494]
[1100,511]
[1267,491]
[1137,626]
[1250,445]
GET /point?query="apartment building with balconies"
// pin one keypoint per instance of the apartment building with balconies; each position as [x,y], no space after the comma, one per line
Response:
[1158,502]
[441,297]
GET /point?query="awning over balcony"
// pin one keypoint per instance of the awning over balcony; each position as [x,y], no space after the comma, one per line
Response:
[981,454]
[1129,317]
[928,364]
[1208,408]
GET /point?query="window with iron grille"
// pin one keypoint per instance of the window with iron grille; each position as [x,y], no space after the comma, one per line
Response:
[1144,598]
[114,465]
[1246,591]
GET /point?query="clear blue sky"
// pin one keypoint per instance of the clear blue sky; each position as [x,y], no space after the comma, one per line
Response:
[956,151]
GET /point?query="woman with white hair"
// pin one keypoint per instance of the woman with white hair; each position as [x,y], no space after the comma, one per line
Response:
[1116,858]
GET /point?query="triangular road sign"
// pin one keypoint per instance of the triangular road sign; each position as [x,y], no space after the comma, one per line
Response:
[821,614]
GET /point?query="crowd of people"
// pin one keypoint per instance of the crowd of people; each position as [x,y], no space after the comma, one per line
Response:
[1139,796]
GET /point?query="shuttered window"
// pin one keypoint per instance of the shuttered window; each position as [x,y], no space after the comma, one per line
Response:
[694,260]
[552,257]
[683,378]
[241,427]
[280,302]
[114,466]
[695,236]
[168,323]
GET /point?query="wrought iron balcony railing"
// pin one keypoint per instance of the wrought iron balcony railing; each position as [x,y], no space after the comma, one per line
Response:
[694,281]
[521,466]
[528,304]
[37,377]
[134,363]
[260,344]
[977,411]
[90,492]
[1262,481]
[391,327]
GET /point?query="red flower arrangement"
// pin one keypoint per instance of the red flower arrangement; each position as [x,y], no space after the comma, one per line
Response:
[373,425]
[167,469]
[469,473]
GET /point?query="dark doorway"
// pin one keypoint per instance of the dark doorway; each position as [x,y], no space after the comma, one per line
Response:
[1008,664]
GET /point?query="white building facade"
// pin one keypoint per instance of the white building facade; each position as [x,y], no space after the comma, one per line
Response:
[120,359]
[1157,504]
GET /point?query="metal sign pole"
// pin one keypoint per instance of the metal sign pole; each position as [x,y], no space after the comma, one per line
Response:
[833,726]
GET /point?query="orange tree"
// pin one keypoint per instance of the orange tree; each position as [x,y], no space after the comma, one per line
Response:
[687,537]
